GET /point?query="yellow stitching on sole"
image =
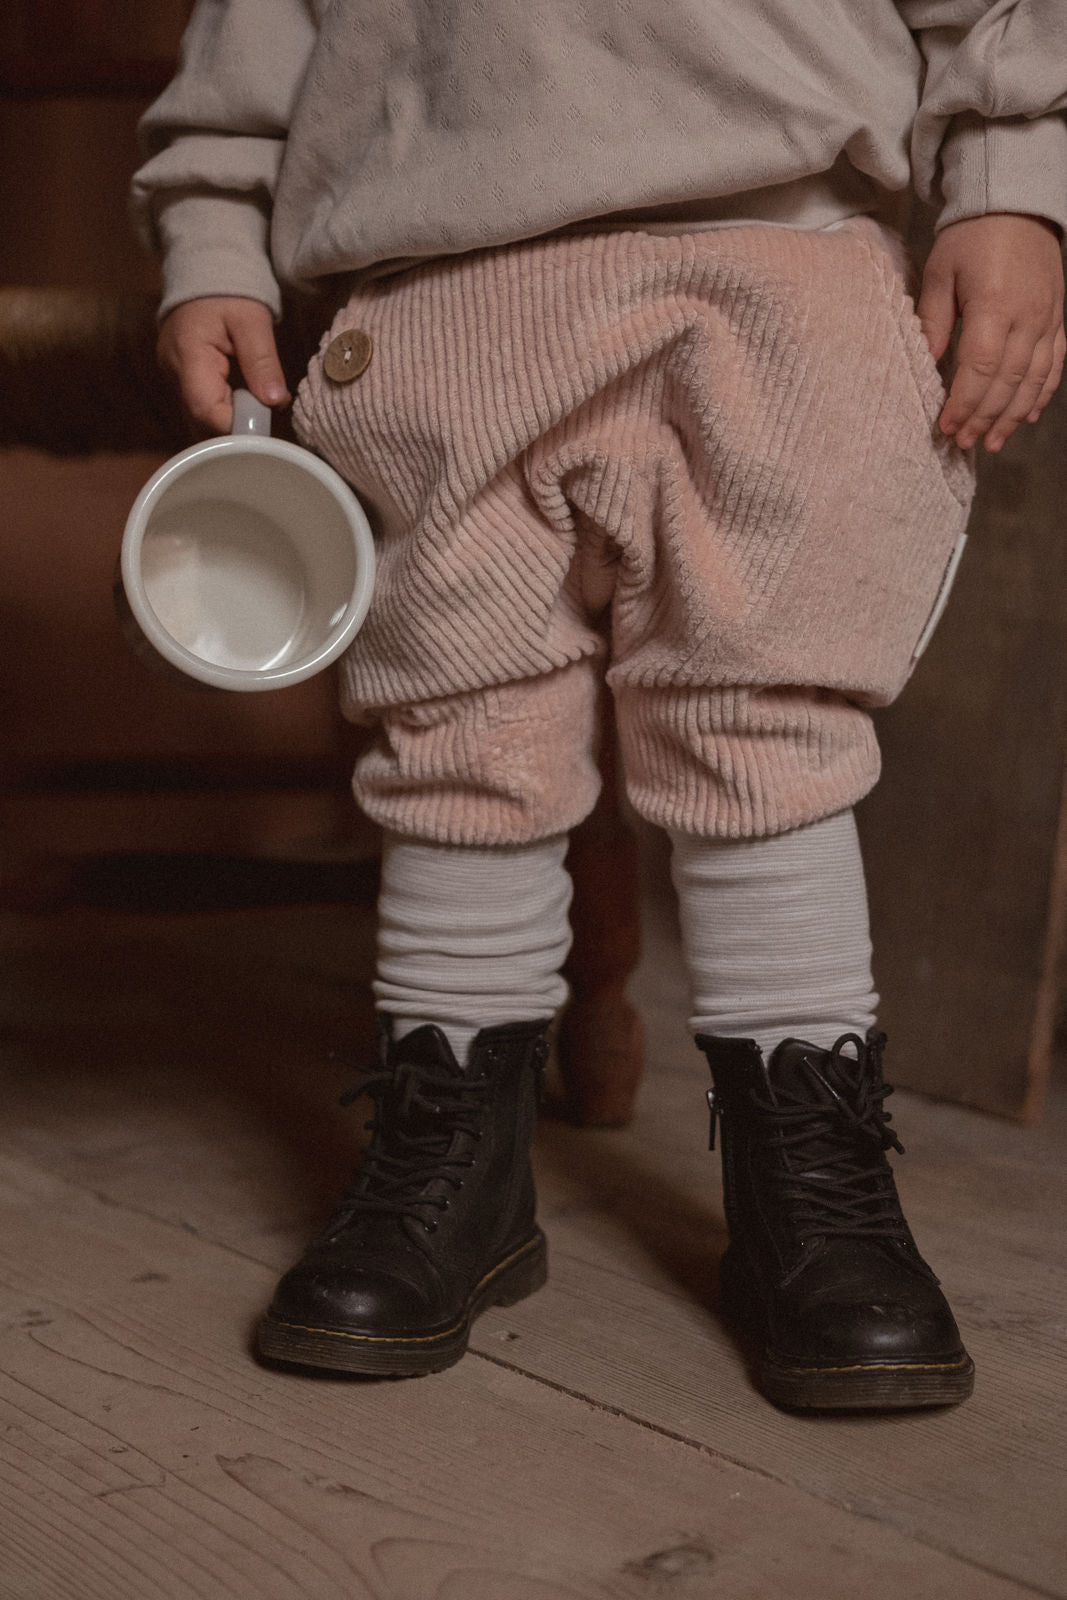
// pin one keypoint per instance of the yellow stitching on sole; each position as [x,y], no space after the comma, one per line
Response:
[881,1366]
[415,1338]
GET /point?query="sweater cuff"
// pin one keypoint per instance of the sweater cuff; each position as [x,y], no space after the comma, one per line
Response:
[214,245]
[1012,164]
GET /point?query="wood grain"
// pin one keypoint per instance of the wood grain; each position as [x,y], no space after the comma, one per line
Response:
[171,1135]
[146,1455]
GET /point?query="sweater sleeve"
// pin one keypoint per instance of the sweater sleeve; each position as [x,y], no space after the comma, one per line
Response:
[991,129]
[214,142]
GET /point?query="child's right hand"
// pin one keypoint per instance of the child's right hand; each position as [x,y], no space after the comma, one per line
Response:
[197,342]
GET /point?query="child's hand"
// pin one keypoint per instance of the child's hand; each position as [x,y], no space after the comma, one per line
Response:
[197,342]
[1003,275]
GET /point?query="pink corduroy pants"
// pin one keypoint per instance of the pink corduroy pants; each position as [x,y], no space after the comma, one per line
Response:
[703,466]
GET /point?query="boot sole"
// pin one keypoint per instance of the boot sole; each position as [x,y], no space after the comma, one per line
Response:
[844,1386]
[409,1356]
[866,1386]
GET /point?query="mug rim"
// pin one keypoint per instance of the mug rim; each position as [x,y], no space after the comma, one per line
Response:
[242,678]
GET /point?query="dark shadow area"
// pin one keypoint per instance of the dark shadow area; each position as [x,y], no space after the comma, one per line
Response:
[684,1237]
[171,1033]
[165,884]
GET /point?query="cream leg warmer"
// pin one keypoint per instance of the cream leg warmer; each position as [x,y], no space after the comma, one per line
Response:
[776,934]
[468,937]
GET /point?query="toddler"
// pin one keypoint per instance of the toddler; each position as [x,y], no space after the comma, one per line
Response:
[626,369]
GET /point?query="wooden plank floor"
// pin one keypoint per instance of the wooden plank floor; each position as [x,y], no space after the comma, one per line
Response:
[170,1134]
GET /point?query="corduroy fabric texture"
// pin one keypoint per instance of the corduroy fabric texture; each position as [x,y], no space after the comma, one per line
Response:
[708,462]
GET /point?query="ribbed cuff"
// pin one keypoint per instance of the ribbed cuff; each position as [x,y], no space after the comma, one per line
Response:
[742,763]
[215,245]
[505,766]
[1015,164]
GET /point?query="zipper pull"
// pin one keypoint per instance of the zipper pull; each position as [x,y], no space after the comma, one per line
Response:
[714,1111]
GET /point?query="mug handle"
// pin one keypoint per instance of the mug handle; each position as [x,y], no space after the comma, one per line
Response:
[250,415]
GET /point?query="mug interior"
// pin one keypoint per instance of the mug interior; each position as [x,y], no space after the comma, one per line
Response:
[247,559]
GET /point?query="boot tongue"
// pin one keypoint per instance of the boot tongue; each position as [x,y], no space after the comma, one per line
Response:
[790,1073]
[427,1046]
[424,1069]
[801,1073]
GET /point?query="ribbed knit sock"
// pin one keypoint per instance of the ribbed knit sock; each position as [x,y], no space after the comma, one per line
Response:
[776,934]
[471,937]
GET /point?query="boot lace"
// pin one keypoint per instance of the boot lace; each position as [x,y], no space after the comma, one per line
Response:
[833,1152]
[417,1115]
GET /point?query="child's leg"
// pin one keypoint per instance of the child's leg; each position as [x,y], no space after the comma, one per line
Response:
[470,937]
[480,666]
[821,1264]
[440,1222]
[776,934]
[778,581]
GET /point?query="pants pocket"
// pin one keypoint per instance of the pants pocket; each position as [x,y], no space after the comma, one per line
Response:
[941,600]
[957,466]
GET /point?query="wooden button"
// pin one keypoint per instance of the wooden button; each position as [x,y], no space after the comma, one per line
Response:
[348,355]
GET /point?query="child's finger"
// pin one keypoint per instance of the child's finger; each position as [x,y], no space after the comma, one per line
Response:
[194,349]
[992,362]
[1059,347]
[1025,398]
[936,310]
[201,370]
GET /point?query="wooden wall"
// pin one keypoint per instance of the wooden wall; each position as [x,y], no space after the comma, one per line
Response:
[98,753]
[966,835]
[75,76]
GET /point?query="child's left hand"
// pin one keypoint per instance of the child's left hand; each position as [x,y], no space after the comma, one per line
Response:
[1002,274]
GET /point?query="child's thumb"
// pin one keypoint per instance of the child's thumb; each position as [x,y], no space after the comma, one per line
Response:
[936,310]
[252,333]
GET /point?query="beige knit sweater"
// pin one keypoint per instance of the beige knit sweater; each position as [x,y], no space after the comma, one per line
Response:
[306,138]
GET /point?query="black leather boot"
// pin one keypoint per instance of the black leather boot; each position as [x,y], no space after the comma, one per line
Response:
[439,1222]
[821,1267]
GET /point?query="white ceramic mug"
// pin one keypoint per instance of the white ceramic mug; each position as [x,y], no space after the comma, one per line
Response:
[247,562]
